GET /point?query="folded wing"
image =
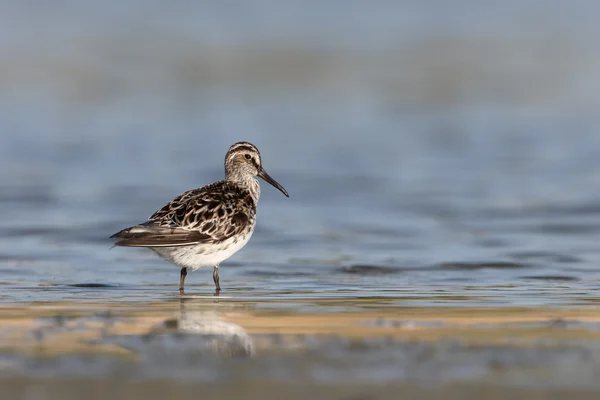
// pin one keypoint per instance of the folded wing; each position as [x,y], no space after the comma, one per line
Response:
[151,234]
[208,215]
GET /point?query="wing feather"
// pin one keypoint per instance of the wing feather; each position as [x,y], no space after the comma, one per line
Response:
[207,215]
[152,235]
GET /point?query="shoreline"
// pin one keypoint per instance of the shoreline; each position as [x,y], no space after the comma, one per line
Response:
[58,328]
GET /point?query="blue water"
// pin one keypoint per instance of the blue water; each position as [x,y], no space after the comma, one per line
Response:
[453,148]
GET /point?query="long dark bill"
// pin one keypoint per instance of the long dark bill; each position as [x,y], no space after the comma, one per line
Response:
[263,174]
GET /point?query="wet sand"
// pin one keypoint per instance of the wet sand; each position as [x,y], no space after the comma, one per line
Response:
[472,325]
[68,350]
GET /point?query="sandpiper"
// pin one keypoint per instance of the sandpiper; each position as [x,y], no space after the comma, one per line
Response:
[203,227]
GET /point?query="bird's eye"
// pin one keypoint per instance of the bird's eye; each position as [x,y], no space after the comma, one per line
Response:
[248,156]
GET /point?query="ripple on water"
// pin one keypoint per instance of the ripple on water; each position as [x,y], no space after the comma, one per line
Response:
[94,285]
[563,278]
[545,256]
[566,228]
[368,270]
[482,265]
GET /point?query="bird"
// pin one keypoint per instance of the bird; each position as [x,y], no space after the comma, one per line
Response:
[203,227]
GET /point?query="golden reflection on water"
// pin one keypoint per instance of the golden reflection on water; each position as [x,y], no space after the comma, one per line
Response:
[55,328]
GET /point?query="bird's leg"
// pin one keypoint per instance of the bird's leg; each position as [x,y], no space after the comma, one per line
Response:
[216,278]
[182,276]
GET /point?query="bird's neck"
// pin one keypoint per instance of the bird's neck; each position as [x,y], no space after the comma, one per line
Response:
[247,182]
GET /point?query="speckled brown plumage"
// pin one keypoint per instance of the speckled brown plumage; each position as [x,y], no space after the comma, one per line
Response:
[208,215]
[205,226]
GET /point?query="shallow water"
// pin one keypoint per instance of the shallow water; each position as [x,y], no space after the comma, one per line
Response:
[436,157]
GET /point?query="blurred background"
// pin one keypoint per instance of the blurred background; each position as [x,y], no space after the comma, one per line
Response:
[408,133]
[437,153]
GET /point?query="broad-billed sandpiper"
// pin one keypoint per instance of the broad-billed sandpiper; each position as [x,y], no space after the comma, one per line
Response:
[203,227]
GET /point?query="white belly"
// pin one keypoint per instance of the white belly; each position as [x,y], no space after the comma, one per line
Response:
[203,255]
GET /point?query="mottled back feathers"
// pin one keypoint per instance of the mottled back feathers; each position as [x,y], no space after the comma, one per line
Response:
[211,214]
